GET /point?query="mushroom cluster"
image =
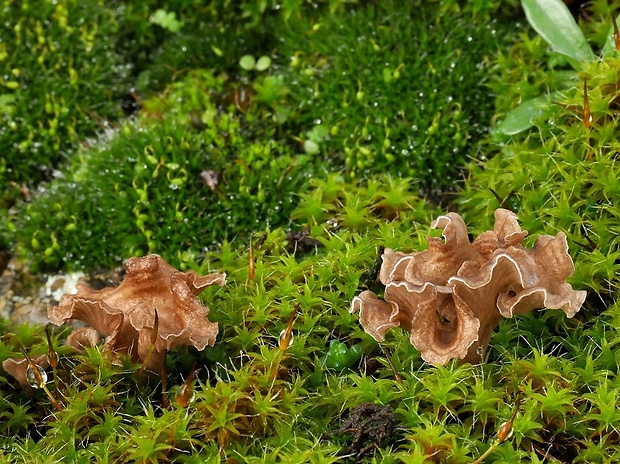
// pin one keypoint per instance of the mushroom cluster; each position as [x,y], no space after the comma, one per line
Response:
[451,296]
[126,315]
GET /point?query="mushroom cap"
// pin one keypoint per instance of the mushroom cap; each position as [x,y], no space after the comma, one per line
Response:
[125,314]
[451,296]
[83,337]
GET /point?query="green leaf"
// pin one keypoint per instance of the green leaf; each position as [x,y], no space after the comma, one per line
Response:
[552,20]
[290,7]
[339,356]
[263,63]
[247,62]
[527,114]
[166,20]
[11,84]
[270,89]
[318,133]
[310,147]
[6,103]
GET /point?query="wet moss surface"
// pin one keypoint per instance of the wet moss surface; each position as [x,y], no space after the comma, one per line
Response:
[383,89]
[63,76]
[363,101]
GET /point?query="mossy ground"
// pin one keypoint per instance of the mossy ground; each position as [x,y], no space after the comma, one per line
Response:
[218,157]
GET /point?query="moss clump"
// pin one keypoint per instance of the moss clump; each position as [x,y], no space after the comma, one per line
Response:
[256,399]
[234,29]
[545,370]
[563,177]
[389,87]
[62,80]
[172,53]
[354,85]
[296,402]
[269,399]
[147,189]
[142,192]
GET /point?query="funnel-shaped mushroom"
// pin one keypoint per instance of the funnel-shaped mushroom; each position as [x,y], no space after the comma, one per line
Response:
[125,314]
[451,296]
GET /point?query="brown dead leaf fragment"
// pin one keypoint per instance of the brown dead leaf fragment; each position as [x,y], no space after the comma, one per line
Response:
[125,315]
[451,296]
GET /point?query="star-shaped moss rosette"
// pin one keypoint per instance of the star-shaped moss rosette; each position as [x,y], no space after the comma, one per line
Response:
[451,296]
[125,315]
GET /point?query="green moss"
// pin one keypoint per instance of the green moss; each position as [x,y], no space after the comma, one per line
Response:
[109,412]
[62,80]
[295,399]
[141,191]
[563,179]
[548,72]
[561,176]
[234,29]
[69,65]
[354,85]
[145,190]
[389,87]
[482,9]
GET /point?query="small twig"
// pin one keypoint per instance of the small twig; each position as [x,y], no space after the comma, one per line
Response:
[616,33]
[284,342]
[185,391]
[587,116]
[252,263]
[502,201]
[285,339]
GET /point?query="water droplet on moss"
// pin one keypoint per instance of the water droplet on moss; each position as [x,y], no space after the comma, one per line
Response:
[31,376]
[332,223]
[281,338]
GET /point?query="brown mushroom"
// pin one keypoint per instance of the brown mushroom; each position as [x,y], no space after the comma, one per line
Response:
[125,314]
[451,296]
[18,368]
[83,337]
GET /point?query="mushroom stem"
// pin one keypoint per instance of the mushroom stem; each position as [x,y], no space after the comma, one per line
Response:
[153,340]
